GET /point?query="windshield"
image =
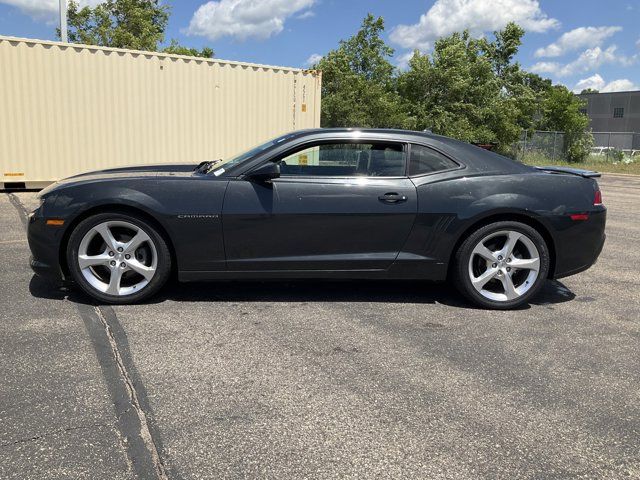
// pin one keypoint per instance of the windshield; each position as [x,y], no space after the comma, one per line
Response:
[237,160]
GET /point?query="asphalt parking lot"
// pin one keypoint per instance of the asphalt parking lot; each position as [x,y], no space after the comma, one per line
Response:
[323,379]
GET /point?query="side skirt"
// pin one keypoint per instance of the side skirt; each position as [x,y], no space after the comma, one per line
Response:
[435,272]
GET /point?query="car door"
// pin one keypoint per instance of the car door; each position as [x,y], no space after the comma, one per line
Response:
[337,205]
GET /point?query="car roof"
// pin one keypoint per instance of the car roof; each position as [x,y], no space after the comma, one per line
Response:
[371,131]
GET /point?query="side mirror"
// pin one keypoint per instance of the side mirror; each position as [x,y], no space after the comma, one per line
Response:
[265,173]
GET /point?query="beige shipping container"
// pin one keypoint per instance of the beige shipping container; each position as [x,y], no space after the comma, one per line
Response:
[68,108]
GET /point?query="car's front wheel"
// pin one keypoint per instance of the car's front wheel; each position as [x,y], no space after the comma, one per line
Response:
[118,258]
[502,265]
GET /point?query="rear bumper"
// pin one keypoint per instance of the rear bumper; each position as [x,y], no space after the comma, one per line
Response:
[579,243]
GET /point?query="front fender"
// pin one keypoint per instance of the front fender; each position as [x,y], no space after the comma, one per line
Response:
[187,209]
[73,202]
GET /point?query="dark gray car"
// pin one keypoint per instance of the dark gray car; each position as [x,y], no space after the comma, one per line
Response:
[335,203]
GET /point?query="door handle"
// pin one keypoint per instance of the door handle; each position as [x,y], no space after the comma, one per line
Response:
[392,198]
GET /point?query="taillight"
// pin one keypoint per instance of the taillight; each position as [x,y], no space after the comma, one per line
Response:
[578,217]
[597,198]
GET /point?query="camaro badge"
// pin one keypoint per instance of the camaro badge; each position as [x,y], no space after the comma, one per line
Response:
[195,216]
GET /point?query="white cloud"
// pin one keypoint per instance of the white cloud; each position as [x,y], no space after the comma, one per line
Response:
[242,19]
[596,82]
[622,85]
[479,16]
[402,61]
[313,59]
[44,10]
[576,39]
[594,58]
[545,67]
[589,60]
[306,14]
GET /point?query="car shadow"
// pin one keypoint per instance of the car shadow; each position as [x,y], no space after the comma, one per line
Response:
[370,291]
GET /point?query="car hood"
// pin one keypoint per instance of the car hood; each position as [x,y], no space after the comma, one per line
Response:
[138,170]
[122,173]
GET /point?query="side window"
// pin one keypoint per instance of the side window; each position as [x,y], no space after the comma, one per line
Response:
[346,160]
[425,160]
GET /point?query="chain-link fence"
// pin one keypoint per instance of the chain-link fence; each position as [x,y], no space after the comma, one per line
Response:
[546,146]
[625,142]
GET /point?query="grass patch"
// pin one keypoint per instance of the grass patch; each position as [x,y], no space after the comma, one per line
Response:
[596,163]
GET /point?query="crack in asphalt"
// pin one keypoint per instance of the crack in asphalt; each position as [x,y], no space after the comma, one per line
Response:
[145,432]
[125,387]
[55,432]
[140,440]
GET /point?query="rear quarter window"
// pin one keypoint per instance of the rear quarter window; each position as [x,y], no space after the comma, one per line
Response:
[426,160]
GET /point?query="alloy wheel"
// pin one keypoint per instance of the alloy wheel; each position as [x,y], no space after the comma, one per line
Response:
[504,265]
[117,258]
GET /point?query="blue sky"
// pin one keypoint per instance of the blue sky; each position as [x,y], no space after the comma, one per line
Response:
[580,43]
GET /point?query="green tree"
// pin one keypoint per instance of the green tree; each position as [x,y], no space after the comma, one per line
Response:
[473,90]
[176,49]
[524,90]
[502,50]
[538,84]
[456,91]
[561,111]
[358,83]
[131,24]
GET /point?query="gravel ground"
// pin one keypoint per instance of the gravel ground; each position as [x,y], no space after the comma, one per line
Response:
[324,379]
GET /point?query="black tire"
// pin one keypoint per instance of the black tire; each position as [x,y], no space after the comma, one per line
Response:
[460,272]
[162,271]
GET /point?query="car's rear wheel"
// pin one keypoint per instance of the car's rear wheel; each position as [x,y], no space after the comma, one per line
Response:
[502,265]
[118,258]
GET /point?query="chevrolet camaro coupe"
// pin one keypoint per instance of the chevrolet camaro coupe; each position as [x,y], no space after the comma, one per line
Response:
[324,203]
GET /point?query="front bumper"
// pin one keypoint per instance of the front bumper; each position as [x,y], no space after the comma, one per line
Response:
[44,242]
[50,272]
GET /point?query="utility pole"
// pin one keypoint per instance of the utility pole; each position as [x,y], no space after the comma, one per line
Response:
[63,21]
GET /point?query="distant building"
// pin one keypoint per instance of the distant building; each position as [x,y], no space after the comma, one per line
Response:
[615,112]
